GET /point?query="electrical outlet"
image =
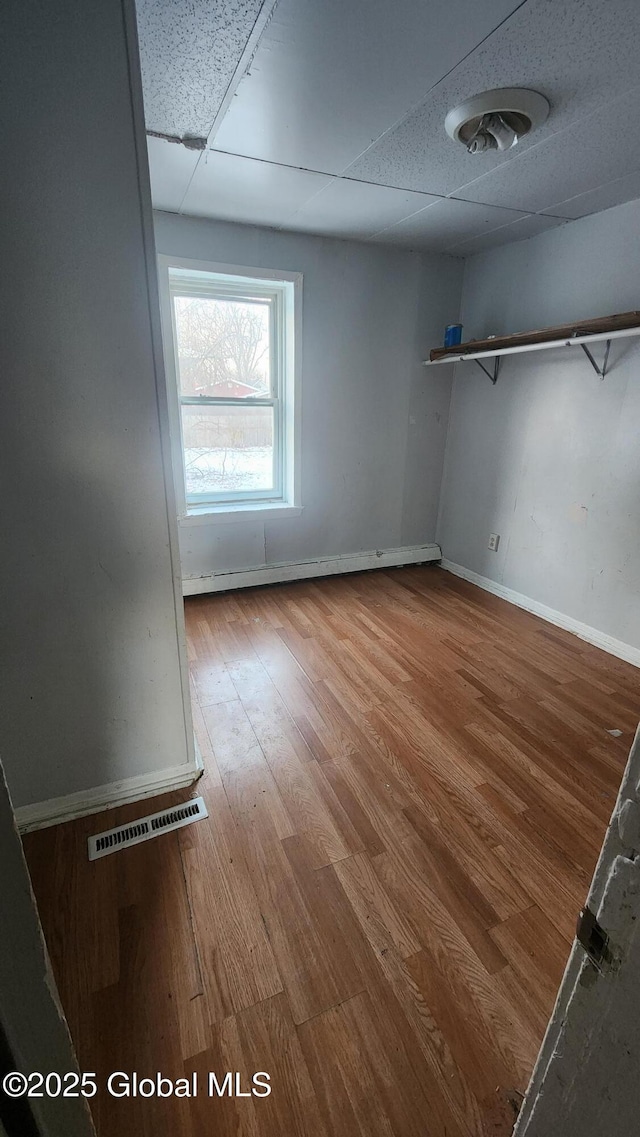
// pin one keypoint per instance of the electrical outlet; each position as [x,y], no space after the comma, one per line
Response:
[494,541]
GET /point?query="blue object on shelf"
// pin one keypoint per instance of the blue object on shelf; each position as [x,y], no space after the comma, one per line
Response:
[452,335]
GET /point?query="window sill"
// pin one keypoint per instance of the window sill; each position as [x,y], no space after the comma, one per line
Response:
[217,514]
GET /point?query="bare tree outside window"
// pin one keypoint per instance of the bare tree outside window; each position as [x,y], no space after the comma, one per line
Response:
[224,353]
[223,347]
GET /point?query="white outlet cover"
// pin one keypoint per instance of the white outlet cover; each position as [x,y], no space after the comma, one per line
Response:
[494,541]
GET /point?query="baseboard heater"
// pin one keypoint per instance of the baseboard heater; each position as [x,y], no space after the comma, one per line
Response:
[144,828]
[307,570]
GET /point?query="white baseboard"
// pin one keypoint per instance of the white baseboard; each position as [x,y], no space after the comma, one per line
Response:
[616,647]
[44,813]
[303,570]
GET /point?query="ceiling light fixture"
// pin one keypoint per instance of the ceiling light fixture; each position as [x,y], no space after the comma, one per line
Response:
[496,120]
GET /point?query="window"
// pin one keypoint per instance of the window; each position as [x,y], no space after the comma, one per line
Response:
[230,352]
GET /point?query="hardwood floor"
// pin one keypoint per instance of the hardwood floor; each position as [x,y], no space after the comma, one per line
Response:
[408,782]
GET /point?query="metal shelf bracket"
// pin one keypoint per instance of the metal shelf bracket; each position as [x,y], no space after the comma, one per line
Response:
[599,371]
[493,376]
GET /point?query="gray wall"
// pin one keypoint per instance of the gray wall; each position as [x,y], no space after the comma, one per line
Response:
[91,681]
[550,456]
[373,428]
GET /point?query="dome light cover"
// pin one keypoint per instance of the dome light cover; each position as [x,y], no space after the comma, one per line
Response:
[496,120]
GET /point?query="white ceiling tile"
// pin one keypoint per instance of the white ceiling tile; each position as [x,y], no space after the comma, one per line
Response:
[323,89]
[357,209]
[577,159]
[189,51]
[328,79]
[528,226]
[240,189]
[602,197]
[577,55]
[171,168]
[438,226]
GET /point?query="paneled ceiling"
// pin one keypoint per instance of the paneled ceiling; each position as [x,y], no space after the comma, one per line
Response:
[327,116]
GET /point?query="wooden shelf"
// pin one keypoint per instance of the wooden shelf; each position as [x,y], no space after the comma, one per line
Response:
[605,328]
[600,327]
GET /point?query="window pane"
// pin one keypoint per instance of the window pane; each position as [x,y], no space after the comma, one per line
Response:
[228,449]
[223,347]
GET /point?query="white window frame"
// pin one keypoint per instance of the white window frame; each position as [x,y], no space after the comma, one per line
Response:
[284,290]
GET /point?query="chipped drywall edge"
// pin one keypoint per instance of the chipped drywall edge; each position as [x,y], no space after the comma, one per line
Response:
[190,141]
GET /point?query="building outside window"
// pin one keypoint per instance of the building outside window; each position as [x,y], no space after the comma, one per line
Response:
[230,340]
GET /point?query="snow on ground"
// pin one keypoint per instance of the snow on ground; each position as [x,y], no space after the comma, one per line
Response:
[209,471]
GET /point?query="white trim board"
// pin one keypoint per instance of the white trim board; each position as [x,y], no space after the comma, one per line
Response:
[599,639]
[303,570]
[53,812]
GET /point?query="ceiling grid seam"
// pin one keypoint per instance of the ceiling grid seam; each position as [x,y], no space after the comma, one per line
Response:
[294,63]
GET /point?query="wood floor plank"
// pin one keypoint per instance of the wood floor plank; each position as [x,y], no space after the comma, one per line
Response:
[537,953]
[546,880]
[433,907]
[230,636]
[611,710]
[363,1086]
[379,794]
[256,690]
[521,774]
[452,1104]
[449,875]
[470,1036]
[384,923]
[236,961]
[167,947]
[212,683]
[157,1012]
[288,758]
[300,935]
[78,903]
[260,1039]
[242,766]
[560,764]
[367,834]
[313,740]
[408,783]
